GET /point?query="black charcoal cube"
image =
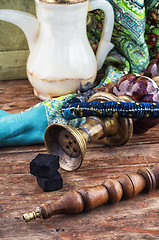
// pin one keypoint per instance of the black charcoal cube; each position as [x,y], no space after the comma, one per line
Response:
[51,184]
[44,165]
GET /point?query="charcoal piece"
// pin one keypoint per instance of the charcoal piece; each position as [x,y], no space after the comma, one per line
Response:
[51,184]
[44,165]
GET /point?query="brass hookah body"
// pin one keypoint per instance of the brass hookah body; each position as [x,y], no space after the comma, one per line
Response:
[113,190]
[70,143]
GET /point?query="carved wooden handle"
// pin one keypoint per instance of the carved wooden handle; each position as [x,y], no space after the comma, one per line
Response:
[125,186]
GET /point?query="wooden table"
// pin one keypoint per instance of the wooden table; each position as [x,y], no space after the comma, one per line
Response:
[19,192]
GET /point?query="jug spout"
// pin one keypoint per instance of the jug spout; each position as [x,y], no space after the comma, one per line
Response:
[27,22]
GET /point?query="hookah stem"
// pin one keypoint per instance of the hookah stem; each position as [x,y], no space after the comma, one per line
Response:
[76,109]
[126,186]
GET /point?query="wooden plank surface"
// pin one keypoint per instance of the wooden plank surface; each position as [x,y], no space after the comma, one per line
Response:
[19,192]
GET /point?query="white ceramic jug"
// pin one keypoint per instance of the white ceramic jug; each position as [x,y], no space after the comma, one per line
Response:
[60,54]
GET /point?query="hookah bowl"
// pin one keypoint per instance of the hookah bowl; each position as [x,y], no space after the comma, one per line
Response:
[70,143]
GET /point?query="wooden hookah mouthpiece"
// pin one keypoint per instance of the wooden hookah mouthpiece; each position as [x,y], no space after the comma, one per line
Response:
[125,186]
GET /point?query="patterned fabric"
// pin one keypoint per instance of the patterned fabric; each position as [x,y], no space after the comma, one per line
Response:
[115,67]
[95,22]
[128,37]
[53,111]
[152,27]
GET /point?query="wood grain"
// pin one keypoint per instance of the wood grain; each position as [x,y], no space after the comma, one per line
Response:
[19,192]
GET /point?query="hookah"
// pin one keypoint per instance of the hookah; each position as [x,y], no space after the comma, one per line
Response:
[71,144]
[110,119]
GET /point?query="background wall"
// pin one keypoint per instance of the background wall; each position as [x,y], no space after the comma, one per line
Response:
[13,44]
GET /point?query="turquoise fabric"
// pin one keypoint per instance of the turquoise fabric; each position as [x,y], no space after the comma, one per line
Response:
[23,128]
[28,127]
[3,113]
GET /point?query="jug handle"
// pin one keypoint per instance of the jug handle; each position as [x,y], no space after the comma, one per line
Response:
[105,44]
